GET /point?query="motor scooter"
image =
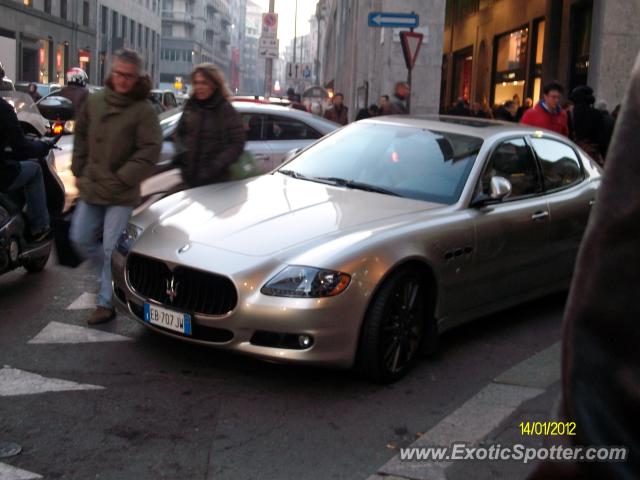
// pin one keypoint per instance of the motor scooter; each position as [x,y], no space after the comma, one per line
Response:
[16,247]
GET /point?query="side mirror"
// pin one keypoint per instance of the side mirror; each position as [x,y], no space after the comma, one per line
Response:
[291,153]
[500,188]
[56,109]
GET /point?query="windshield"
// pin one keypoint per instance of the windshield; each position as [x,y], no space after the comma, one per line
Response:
[20,101]
[405,161]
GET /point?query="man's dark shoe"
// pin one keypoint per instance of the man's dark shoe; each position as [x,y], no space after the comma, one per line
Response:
[101,315]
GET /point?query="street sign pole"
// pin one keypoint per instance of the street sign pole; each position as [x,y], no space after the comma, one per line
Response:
[268,75]
[410,42]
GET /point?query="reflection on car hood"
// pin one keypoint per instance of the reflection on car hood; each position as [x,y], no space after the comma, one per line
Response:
[268,214]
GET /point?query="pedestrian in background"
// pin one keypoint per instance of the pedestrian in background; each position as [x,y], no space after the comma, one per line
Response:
[507,111]
[33,92]
[117,142]
[76,89]
[295,100]
[526,105]
[401,96]
[210,134]
[590,131]
[338,112]
[384,105]
[548,113]
[460,108]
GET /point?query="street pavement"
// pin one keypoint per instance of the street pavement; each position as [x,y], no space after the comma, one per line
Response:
[118,402]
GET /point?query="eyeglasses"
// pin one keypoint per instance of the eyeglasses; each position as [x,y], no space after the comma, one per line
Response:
[125,76]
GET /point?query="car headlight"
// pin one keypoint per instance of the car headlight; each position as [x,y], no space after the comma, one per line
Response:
[127,238]
[306,282]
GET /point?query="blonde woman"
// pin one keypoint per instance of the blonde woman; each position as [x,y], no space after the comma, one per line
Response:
[210,134]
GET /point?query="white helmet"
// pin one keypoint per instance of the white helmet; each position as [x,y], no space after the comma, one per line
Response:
[77,76]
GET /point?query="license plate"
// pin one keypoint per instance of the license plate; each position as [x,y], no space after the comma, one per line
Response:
[169,319]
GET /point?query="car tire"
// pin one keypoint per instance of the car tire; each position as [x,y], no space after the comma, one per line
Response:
[394,327]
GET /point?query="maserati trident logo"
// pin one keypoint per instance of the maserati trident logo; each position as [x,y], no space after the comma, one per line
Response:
[172,289]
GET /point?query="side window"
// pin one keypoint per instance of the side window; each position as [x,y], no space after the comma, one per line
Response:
[282,128]
[171,101]
[253,126]
[560,164]
[514,161]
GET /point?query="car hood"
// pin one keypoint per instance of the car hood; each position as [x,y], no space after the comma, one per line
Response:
[267,214]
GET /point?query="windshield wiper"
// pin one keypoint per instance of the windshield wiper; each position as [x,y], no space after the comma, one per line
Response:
[343,182]
[294,174]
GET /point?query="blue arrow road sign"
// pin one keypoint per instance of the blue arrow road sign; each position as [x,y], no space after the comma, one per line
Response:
[393,20]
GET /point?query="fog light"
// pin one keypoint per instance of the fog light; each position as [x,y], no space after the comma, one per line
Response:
[304,341]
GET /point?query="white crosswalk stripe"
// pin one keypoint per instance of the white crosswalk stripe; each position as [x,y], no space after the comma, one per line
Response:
[8,472]
[86,301]
[58,332]
[19,382]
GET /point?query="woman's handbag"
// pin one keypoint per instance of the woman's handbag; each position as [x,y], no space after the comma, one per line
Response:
[244,167]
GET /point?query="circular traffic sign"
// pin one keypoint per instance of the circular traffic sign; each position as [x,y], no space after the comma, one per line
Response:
[270,19]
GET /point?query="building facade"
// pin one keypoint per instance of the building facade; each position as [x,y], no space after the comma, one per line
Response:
[193,32]
[497,49]
[254,68]
[365,62]
[41,39]
[133,24]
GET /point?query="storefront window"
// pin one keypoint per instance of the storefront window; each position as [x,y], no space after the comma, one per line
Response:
[581,19]
[510,66]
[462,64]
[43,68]
[60,62]
[84,60]
[537,80]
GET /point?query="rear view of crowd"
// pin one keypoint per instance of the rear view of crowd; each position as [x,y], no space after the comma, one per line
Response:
[577,117]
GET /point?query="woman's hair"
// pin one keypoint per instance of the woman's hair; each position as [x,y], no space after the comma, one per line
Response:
[213,74]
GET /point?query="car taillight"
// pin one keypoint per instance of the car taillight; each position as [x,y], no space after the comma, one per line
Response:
[58,128]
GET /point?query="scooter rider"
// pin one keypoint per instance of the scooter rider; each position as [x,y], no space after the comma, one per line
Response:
[76,89]
[27,175]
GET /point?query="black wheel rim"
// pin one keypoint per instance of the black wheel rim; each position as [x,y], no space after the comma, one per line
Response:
[402,327]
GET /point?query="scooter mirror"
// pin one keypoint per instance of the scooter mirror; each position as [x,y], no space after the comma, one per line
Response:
[55,108]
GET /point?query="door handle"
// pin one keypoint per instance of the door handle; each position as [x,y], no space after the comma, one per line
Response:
[539,216]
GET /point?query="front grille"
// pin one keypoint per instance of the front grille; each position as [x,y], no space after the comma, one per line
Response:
[193,291]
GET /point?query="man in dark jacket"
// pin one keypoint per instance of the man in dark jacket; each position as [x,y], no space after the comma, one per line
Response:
[338,113]
[400,97]
[507,112]
[117,142]
[27,175]
[590,131]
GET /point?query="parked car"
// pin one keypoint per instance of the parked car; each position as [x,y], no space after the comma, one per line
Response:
[272,132]
[44,89]
[164,98]
[363,246]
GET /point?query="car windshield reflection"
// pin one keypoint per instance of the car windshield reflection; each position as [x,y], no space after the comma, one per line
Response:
[389,159]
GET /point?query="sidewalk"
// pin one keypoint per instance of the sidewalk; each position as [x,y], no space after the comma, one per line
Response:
[528,391]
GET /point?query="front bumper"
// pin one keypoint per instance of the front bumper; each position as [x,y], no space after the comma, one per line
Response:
[333,323]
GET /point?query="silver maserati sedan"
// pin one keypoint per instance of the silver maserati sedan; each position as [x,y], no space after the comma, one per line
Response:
[365,245]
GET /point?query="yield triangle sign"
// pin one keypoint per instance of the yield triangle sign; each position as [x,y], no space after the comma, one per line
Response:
[411,42]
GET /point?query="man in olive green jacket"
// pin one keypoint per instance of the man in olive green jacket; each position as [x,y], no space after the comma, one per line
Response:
[117,142]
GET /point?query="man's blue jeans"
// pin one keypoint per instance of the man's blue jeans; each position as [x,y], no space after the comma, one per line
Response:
[31,182]
[88,222]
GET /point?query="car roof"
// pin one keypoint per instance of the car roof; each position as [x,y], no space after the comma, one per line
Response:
[474,127]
